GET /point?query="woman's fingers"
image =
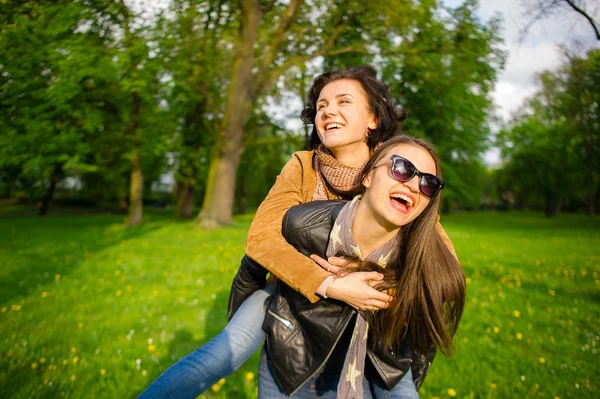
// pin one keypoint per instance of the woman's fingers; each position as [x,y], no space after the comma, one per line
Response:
[325,264]
[354,289]
[342,262]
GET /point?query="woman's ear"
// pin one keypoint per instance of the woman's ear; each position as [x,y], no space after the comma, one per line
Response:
[373,123]
[367,180]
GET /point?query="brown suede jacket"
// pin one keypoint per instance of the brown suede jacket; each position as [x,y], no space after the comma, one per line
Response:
[266,245]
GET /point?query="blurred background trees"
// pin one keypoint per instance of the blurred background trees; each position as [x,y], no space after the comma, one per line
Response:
[193,107]
[552,148]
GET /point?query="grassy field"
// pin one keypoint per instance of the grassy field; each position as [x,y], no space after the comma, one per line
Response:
[90,309]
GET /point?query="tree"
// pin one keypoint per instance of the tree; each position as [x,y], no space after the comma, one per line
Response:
[443,73]
[554,144]
[55,69]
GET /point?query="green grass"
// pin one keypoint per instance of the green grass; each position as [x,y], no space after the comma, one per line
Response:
[92,309]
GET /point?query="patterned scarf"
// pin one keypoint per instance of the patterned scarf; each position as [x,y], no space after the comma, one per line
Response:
[341,241]
[334,179]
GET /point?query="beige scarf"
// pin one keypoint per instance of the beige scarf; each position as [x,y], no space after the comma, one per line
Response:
[334,179]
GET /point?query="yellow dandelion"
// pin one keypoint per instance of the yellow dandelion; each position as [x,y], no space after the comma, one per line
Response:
[469,280]
[494,386]
[451,392]
[221,381]
[501,294]
[73,378]
[216,388]
[65,362]
[44,294]
[542,360]
[80,325]
[118,293]
[496,330]
[34,365]
[519,336]
[42,360]
[117,273]
[75,360]
[4,309]
[73,350]
[249,376]
[436,397]
[517,314]
[552,292]
[151,348]
[155,293]
[57,277]
[103,372]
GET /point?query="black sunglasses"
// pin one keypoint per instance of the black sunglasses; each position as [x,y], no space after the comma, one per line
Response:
[403,170]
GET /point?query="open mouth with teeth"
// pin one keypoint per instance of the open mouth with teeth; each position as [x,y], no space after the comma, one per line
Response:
[333,126]
[401,202]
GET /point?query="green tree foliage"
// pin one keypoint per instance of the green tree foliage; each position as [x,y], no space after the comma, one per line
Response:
[55,76]
[443,71]
[554,146]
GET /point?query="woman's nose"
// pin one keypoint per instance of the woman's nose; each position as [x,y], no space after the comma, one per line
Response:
[413,184]
[330,110]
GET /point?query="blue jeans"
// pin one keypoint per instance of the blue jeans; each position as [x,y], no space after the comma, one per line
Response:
[222,355]
[326,387]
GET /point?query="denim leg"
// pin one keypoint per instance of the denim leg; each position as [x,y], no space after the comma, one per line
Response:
[225,353]
[319,386]
[405,389]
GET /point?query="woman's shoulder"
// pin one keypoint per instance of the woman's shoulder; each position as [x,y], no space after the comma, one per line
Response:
[305,157]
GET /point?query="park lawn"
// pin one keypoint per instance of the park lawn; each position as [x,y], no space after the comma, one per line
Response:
[92,309]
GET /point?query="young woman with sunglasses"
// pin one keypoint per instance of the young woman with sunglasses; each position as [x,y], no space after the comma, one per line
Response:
[352,113]
[391,229]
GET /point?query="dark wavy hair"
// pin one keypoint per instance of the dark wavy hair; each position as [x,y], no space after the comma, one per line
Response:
[424,277]
[381,104]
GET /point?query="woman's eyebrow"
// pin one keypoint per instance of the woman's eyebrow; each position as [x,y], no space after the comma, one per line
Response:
[337,96]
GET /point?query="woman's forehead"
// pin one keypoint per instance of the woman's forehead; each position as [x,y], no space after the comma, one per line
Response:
[416,154]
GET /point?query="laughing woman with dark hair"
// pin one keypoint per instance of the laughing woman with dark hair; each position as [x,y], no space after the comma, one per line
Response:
[328,349]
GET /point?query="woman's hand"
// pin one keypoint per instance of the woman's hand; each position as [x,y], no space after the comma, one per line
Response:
[356,289]
[334,265]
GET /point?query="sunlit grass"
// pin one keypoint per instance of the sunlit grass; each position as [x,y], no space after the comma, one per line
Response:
[92,309]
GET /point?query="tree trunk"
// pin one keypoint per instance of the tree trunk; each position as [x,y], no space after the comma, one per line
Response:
[137,179]
[225,155]
[56,176]
[184,208]
[591,203]
[552,206]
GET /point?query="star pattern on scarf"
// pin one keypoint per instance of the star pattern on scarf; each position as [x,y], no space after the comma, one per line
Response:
[334,236]
[356,250]
[353,375]
[383,260]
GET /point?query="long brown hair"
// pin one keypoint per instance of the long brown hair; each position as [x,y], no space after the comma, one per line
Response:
[426,280]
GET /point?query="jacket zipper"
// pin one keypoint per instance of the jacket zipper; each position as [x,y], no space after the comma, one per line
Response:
[326,358]
[288,324]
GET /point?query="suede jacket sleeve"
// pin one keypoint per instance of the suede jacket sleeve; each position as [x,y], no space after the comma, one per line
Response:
[266,244]
[445,238]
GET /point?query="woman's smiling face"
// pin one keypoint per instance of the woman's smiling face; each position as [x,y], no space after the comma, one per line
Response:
[343,116]
[395,203]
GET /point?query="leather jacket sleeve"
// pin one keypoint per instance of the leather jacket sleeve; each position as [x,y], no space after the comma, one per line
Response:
[306,227]
[250,277]
[420,365]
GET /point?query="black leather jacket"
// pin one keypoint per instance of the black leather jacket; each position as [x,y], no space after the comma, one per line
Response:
[302,336]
